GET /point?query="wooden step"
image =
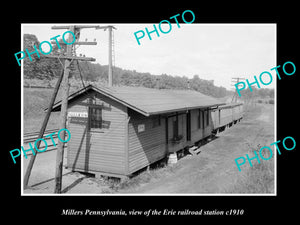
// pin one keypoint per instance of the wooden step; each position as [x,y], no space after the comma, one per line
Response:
[194,150]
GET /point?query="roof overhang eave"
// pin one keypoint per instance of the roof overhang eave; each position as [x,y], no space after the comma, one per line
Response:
[184,109]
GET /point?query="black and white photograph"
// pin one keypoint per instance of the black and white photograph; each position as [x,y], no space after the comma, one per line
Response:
[149,112]
[165,114]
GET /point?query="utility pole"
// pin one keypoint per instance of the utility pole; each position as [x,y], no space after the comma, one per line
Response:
[235,80]
[64,82]
[42,130]
[110,45]
[64,102]
[63,116]
[109,57]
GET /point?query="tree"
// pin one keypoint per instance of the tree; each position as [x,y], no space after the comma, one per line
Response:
[39,67]
[30,67]
[125,79]
[271,93]
[48,68]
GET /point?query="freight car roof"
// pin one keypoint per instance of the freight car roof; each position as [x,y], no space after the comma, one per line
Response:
[230,105]
[149,101]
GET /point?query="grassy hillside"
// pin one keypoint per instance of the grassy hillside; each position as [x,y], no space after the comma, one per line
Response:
[35,100]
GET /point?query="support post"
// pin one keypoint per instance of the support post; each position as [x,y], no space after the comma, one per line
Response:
[110,56]
[43,128]
[64,82]
[235,80]
[63,117]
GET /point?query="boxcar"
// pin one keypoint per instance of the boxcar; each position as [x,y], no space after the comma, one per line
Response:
[226,115]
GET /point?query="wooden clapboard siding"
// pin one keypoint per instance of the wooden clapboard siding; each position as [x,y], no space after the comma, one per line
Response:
[215,118]
[196,132]
[208,127]
[235,112]
[204,130]
[238,112]
[147,146]
[241,107]
[98,149]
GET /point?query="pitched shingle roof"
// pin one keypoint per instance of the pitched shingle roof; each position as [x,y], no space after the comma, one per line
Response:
[148,101]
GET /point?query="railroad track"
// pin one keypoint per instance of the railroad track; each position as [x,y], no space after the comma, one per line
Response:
[31,137]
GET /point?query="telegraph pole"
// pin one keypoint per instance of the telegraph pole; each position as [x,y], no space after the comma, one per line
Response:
[235,80]
[63,116]
[110,44]
[64,102]
[110,56]
[42,130]
[63,81]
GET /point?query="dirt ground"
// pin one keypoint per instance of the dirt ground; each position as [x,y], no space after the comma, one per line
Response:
[43,172]
[213,170]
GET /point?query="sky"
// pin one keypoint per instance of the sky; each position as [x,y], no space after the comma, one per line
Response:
[213,51]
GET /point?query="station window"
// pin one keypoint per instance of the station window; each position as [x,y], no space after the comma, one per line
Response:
[95,115]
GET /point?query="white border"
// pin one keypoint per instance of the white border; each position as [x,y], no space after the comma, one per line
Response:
[22,111]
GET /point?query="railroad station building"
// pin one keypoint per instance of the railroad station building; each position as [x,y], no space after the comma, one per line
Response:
[117,131]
